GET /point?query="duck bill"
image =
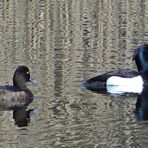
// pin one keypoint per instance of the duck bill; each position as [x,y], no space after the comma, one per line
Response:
[33,80]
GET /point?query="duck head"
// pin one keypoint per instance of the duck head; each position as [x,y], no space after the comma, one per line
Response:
[21,77]
[141,57]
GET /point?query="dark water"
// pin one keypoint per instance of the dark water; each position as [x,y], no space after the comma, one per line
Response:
[65,42]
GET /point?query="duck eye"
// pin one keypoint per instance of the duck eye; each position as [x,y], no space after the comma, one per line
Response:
[27,72]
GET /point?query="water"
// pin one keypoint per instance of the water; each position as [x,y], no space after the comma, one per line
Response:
[63,43]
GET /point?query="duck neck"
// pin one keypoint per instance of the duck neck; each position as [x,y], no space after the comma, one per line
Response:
[142,62]
[139,62]
[19,83]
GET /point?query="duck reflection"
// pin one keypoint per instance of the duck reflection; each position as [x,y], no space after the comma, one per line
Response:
[141,111]
[22,116]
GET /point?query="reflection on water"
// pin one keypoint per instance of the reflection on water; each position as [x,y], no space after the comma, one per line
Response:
[142,105]
[64,43]
[141,110]
[22,116]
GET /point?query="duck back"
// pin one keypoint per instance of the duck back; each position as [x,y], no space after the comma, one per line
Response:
[98,82]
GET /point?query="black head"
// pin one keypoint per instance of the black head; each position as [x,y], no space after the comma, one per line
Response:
[21,76]
[141,57]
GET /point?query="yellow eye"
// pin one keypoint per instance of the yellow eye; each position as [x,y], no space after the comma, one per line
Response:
[27,72]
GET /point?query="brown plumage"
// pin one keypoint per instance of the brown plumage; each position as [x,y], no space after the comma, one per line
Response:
[16,95]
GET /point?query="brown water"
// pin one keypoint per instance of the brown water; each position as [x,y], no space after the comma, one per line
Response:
[65,42]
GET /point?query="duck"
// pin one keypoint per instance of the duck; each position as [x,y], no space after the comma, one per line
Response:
[17,95]
[124,80]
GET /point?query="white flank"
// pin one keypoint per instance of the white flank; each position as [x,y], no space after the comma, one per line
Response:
[117,84]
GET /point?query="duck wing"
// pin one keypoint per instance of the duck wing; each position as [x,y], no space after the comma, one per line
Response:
[99,82]
[122,73]
[10,98]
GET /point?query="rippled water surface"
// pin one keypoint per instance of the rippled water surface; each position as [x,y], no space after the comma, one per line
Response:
[65,42]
